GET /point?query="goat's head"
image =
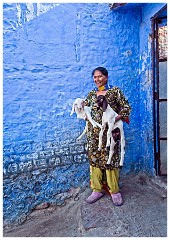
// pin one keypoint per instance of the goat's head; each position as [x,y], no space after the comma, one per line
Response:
[78,106]
[102,102]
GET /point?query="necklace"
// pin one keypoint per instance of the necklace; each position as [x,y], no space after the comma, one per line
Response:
[102,88]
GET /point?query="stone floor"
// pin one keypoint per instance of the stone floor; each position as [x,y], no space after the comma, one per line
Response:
[143,214]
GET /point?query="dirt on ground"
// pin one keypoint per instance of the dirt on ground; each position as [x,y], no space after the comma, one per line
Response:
[143,214]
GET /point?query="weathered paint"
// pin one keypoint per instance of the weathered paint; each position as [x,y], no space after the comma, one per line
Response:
[50,51]
[146,86]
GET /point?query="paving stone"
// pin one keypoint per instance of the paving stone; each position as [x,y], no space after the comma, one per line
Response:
[143,214]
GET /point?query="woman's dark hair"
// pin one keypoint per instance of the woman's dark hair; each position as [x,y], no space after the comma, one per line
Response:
[102,70]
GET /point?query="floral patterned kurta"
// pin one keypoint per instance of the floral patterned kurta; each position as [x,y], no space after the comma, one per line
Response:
[120,105]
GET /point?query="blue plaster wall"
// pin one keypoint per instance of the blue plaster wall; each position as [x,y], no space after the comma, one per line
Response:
[146,85]
[49,53]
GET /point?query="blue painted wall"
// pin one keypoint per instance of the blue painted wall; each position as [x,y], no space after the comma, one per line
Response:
[146,86]
[49,53]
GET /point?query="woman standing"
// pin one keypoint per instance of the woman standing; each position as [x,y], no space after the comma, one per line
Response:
[99,171]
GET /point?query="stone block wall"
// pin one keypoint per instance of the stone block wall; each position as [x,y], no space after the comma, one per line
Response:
[49,52]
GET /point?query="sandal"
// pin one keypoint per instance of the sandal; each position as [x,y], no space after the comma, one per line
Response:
[94,197]
[117,199]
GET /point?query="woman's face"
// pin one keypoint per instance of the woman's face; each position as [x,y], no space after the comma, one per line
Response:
[99,78]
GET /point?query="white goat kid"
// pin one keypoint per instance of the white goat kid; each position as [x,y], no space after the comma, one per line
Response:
[83,112]
[108,117]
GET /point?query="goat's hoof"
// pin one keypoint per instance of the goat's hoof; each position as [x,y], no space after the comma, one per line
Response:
[108,148]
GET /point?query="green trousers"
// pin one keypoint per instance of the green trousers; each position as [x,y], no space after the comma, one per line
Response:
[99,177]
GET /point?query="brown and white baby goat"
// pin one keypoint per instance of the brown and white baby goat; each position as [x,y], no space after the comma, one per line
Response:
[108,117]
[83,112]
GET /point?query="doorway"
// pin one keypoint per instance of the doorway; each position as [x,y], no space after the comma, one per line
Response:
[159,60]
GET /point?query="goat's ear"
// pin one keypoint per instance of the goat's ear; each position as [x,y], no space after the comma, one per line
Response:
[105,104]
[73,109]
[83,103]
